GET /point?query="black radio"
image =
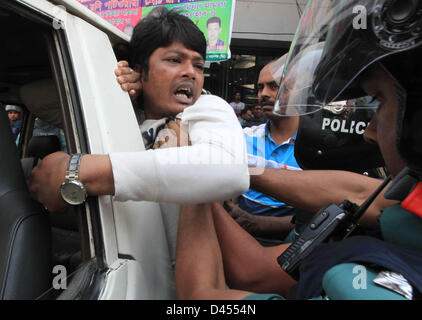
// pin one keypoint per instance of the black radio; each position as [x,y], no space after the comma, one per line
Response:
[331,223]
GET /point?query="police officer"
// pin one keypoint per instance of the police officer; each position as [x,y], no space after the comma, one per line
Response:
[371,48]
[373,54]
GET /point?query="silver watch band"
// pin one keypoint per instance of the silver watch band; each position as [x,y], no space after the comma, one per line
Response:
[72,171]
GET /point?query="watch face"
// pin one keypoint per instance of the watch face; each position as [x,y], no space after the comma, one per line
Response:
[73,192]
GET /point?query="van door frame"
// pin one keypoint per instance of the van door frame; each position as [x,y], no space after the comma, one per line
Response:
[61,64]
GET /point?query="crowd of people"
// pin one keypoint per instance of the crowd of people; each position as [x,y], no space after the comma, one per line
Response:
[248,116]
[221,250]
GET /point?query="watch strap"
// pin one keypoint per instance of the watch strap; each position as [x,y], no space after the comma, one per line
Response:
[72,171]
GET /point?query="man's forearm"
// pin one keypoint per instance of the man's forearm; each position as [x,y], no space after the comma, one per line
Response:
[97,175]
[199,270]
[266,226]
[198,257]
[310,190]
[247,264]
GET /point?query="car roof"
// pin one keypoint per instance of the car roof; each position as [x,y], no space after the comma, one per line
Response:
[79,10]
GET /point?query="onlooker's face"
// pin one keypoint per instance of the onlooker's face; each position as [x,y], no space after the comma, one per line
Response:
[213,32]
[382,128]
[257,111]
[267,90]
[247,115]
[237,96]
[174,82]
[13,115]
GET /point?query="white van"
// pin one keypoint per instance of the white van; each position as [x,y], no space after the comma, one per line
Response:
[57,63]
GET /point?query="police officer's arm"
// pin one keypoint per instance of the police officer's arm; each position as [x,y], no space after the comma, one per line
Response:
[247,264]
[128,78]
[310,190]
[207,240]
[199,272]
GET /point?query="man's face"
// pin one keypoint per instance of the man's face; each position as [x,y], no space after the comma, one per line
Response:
[213,32]
[267,90]
[247,115]
[382,128]
[174,82]
[13,115]
[257,111]
[237,96]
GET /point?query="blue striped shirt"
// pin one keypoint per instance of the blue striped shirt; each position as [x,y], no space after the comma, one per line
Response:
[264,152]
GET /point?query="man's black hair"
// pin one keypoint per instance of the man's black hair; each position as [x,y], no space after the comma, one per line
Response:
[244,110]
[214,20]
[160,29]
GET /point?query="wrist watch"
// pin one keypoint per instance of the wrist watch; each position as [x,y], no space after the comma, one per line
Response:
[72,190]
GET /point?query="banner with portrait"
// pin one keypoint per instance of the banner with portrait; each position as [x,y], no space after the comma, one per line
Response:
[213,18]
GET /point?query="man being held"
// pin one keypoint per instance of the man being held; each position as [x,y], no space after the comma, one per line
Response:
[271,145]
[168,51]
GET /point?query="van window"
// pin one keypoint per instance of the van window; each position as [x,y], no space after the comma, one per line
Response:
[33,59]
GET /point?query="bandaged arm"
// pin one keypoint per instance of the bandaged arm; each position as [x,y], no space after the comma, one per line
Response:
[213,167]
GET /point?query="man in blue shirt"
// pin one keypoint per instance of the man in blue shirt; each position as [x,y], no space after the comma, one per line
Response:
[269,145]
[264,151]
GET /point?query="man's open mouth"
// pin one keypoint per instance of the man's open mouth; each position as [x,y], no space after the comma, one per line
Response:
[184,95]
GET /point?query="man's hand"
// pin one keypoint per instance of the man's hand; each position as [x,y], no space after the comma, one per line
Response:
[128,78]
[46,179]
[260,226]
[173,135]
[243,218]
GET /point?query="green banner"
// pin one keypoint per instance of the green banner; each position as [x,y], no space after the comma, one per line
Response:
[213,18]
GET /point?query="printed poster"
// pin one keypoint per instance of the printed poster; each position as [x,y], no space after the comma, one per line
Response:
[213,18]
[123,14]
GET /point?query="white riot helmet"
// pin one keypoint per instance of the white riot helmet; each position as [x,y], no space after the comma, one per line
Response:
[354,35]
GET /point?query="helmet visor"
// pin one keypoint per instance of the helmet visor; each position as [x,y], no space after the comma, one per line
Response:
[336,41]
